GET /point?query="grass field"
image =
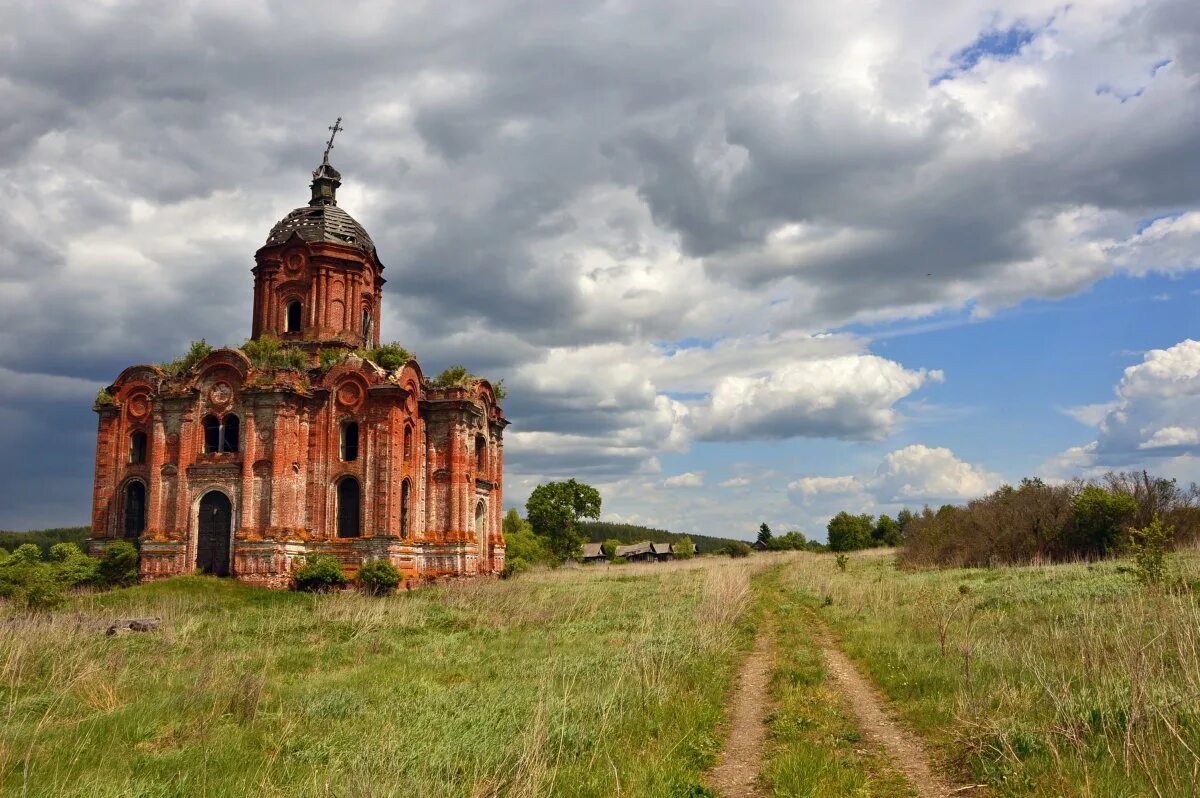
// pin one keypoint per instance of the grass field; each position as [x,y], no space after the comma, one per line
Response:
[1071,680]
[1067,680]
[586,682]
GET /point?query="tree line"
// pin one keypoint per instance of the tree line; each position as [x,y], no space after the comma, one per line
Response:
[1033,520]
[601,531]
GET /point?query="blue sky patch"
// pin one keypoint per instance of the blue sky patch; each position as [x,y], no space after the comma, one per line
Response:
[1000,45]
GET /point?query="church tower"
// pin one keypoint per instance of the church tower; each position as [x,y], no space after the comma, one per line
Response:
[318,281]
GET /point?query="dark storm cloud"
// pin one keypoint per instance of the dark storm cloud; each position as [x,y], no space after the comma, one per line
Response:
[494,152]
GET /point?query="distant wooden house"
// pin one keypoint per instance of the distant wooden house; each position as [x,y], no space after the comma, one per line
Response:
[593,552]
[758,545]
[647,552]
[663,551]
[636,552]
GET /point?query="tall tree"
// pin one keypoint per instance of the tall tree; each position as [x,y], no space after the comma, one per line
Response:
[887,531]
[684,548]
[1100,517]
[554,510]
[850,532]
[521,543]
[764,534]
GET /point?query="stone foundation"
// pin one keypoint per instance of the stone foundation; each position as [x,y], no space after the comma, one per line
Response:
[270,563]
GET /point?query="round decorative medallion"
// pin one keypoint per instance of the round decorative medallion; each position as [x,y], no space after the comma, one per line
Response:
[221,394]
[349,394]
[139,405]
[294,262]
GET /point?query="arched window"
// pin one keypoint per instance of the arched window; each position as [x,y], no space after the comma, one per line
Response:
[135,509]
[212,434]
[480,454]
[137,448]
[404,500]
[349,441]
[220,434]
[347,508]
[294,320]
[407,444]
[229,434]
[366,324]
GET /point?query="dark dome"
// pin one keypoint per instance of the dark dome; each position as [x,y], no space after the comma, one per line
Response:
[327,223]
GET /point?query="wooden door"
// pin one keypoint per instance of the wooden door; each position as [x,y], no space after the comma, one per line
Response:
[212,545]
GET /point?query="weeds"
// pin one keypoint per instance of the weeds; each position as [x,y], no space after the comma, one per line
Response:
[1043,680]
[575,682]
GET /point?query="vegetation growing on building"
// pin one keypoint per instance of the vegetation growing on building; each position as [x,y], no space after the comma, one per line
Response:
[388,357]
[268,352]
[197,351]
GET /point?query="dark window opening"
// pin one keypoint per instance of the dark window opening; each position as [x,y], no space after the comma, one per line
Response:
[347,508]
[407,443]
[366,325]
[212,434]
[137,448]
[229,434]
[220,435]
[480,454]
[135,509]
[404,494]
[294,311]
[350,441]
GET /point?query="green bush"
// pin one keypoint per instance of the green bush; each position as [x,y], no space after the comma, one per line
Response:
[454,377]
[378,577]
[320,573]
[792,541]
[738,549]
[328,358]
[196,352]
[105,399]
[72,565]
[388,357]
[521,543]
[25,554]
[848,532]
[29,581]
[268,352]
[513,566]
[1149,549]
[119,565]
[684,548]
[619,561]
[842,561]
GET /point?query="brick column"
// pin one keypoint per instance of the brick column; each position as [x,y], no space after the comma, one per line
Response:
[155,459]
[249,446]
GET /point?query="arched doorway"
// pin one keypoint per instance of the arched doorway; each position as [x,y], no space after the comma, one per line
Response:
[212,542]
[135,510]
[348,500]
[481,533]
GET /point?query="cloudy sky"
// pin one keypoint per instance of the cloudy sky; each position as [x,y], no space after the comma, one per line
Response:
[734,261]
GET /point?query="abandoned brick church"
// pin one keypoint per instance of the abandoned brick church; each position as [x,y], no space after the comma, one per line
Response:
[233,466]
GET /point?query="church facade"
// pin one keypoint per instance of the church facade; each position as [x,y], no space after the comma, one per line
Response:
[247,460]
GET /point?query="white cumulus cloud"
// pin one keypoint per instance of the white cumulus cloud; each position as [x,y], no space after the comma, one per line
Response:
[852,396]
[919,473]
[688,479]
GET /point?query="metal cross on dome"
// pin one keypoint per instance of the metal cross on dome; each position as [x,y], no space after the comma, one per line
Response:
[335,127]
